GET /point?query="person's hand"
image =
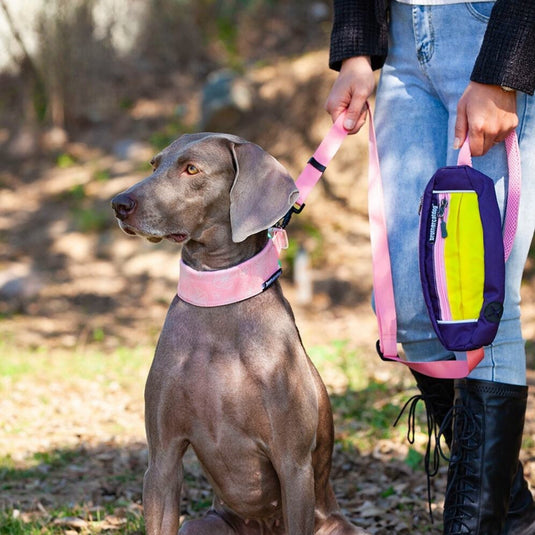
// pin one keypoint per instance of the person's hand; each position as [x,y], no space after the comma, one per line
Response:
[487,114]
[350,91]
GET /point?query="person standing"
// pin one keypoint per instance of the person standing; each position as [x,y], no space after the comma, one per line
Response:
[451,70]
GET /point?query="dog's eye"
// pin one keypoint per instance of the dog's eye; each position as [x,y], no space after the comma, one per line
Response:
[191,169]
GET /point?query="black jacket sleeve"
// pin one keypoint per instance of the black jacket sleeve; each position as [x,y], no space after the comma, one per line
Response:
[359,29]
[507,55]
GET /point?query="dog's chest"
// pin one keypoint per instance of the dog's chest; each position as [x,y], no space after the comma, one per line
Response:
[235,364]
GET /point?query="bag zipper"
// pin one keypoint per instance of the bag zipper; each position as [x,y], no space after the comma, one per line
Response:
[438,256]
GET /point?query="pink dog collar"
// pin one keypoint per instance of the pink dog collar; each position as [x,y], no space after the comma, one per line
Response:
[237,283]
[252,277]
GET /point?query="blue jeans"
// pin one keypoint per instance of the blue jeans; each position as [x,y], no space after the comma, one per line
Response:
[432,52]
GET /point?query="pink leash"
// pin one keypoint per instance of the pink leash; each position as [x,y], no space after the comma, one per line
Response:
[382,274]
[252,277]
[383,288]
[216,288]
[321,159]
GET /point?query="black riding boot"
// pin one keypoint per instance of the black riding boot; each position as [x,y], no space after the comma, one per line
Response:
[521,516]
[438,395]
[488,420]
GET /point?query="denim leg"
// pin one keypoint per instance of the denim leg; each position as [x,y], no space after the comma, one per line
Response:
[432,51]
[505,359]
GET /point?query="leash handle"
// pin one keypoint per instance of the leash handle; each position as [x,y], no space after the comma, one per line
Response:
[513,190]
[385,308]
[383,287]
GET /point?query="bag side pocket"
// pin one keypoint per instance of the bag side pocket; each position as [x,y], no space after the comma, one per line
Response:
[464,257]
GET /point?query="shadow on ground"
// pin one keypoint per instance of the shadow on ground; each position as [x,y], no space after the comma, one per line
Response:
[99,486]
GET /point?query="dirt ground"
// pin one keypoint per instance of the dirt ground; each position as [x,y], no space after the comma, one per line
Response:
[69,279]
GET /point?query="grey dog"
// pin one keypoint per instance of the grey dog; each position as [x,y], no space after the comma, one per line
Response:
[233,382]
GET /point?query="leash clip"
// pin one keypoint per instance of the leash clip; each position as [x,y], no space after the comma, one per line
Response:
[283,223]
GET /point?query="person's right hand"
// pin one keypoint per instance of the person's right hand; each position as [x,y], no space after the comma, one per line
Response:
[350,91]
[487,115]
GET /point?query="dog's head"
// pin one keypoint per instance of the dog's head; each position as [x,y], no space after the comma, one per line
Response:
[205,183]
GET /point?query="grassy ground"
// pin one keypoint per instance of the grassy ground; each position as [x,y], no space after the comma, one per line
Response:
[72,452]
[62,462]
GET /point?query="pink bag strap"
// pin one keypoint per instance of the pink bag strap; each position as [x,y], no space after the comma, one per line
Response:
[513,190]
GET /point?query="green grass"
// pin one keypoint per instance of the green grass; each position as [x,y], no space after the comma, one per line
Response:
[59,521]
[34,465]
[125,366]
[102,175]
[344,359]
[364,410]
[88,214]
[65,160]
[91,219]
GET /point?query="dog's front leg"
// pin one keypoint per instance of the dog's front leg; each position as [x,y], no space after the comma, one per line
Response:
[297,492]
[162,486]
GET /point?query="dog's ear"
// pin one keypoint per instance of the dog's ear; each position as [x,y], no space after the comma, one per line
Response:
[263,191]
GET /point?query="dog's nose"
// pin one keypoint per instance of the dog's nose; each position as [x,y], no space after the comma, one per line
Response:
[123,205]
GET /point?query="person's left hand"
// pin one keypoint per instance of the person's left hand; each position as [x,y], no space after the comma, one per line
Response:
[487,114]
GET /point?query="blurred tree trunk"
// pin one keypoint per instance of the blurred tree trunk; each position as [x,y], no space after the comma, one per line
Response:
[35,104]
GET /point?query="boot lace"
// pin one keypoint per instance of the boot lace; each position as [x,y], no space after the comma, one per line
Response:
[433,450]
[460,490]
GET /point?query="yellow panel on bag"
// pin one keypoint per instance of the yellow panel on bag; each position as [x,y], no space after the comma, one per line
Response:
[464,256]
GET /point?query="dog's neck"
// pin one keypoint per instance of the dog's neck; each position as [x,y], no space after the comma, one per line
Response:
[241,280]
[221,253]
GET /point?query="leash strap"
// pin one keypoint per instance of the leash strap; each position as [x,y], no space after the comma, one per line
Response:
[382,274]
[320,160]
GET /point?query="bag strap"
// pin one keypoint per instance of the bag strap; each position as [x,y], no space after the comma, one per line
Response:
[513,190]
